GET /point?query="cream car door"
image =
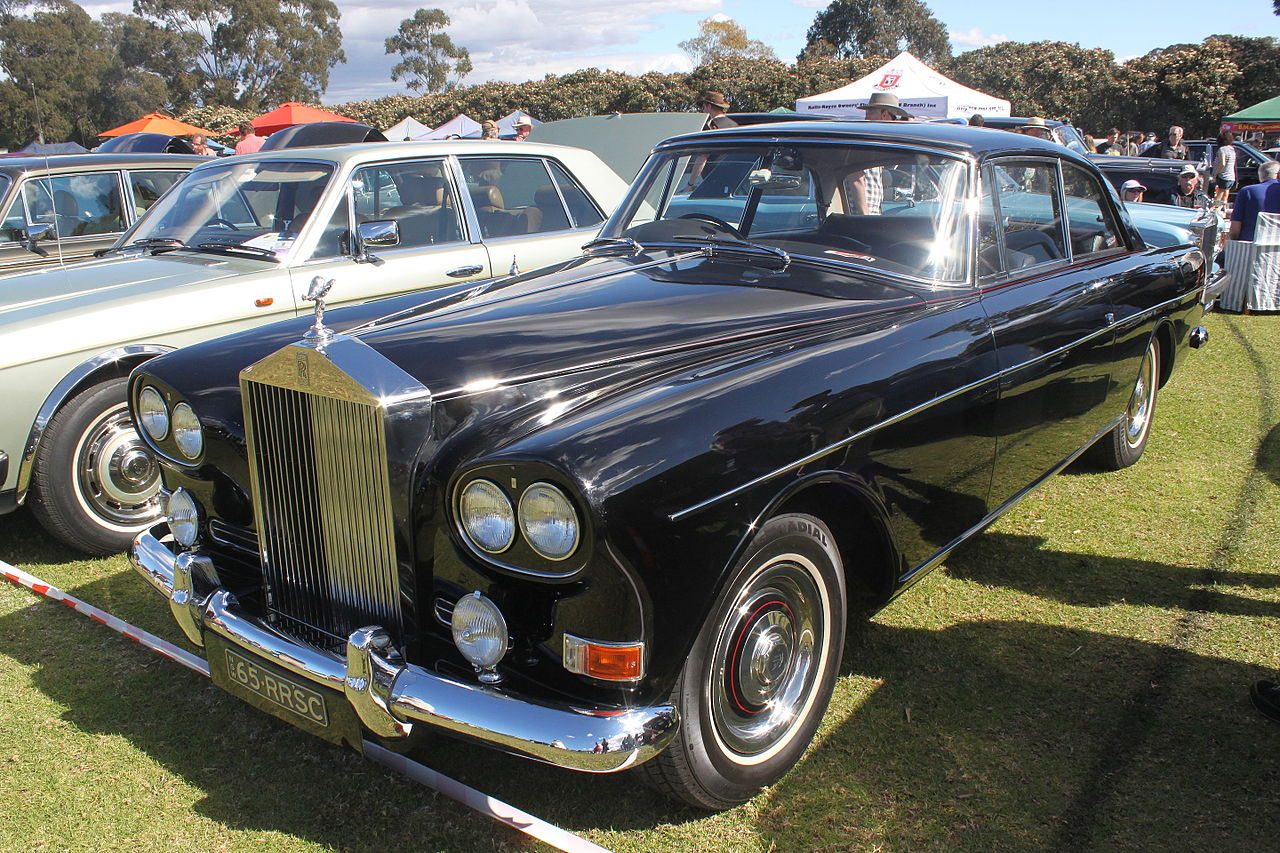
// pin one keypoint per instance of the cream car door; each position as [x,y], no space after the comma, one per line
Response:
[434,248]
[529,210]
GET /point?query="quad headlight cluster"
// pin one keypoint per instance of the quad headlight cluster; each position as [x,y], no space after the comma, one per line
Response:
[544,517]
[181,422]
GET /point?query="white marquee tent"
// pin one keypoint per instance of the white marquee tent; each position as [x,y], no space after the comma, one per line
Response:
[461,125]
[921,91]
[407,128]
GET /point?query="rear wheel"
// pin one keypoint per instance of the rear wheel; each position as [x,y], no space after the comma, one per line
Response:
[760,675]
[1124,445]
[95,484]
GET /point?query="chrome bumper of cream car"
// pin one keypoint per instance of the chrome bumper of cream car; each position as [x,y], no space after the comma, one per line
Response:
[391,697]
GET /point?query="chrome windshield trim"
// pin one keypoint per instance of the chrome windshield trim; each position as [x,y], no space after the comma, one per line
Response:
[928,404]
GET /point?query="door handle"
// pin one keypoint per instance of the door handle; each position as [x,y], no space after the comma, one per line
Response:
[1095,286]
[1109,317]
[464,272]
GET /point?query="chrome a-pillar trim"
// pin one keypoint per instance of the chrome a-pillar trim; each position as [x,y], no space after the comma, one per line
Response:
[393,698]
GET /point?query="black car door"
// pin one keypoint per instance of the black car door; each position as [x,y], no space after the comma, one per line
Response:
[1050,314]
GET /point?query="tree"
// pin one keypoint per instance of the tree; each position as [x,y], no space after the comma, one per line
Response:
[429,60]
[1186,84]
[718,39]
[252,53]
[1048,78]
[854,28]
[1258,60]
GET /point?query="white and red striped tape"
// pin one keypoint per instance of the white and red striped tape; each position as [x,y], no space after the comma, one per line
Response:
[490,807]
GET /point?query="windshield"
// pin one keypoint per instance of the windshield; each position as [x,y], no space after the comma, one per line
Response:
[260,206]
[896,211]
[1067,135]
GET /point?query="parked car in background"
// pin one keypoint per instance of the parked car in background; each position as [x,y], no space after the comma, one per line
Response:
[1064,133]
[613,514]
[1248,159]
[1159,176]
[235,244]
[65,208]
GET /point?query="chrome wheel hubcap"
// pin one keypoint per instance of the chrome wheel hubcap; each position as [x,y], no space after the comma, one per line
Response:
[1138,415]
[765,665]
[117,479]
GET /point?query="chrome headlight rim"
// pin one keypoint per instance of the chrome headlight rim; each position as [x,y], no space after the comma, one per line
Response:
[492,490]
[473,610]
[189,448]
[160,411]
[533,491]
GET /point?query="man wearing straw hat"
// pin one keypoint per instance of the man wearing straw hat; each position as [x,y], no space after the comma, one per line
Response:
[866,186]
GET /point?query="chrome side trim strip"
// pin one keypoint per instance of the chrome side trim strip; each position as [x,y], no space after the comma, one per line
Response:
[390,696]
[915,410]
[62,391]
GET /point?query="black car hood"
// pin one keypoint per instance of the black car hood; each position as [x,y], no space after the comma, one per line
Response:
[593,313]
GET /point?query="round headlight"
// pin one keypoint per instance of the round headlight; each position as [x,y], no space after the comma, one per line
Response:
[187,433]
[548,521]
[183,516]
[487,516]
[153,413]
[479,630]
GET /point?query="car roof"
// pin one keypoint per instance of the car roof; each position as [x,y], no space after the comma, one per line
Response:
[365,152]
[961,138]
[16,166]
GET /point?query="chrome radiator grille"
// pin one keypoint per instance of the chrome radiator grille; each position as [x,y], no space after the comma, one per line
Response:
[322,501]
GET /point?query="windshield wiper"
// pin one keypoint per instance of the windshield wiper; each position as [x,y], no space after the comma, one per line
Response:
[239,248]
[153,243]
[721,246]
[612,246]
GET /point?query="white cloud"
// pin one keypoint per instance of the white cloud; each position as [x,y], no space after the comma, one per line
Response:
[720,18]
[811,4]
[975,37]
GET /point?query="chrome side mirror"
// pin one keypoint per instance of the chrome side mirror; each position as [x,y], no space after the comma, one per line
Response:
[380,232]
[39,232]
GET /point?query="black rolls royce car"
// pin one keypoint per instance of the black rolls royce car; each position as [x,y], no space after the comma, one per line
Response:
[611,514]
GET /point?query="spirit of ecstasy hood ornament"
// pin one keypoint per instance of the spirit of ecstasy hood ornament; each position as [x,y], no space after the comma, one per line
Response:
[319,333]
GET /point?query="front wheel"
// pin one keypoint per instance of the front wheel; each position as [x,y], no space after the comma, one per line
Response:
[1123,446]
[755,687]
[95,484]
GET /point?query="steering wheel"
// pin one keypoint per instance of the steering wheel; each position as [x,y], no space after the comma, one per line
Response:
[714,220]
[218,220]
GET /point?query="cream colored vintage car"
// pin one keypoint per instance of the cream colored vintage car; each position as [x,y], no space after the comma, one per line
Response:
[235,244]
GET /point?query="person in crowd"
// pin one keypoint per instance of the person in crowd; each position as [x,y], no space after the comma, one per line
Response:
[1111,145]
[1262,197]
[488,129]
[1188,192]
[1036,127]
[1133,144]
[523,126]
[1146,144]
[865,187]
[1171,147]
[1090,144]
[1224,167]
[249,141]
[713,104]
[976,120]
[1132,191]
[200,145]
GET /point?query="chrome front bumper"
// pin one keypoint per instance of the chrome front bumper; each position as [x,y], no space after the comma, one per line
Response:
[391,697]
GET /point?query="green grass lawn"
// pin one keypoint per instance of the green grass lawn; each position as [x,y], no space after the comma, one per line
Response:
[1076,678]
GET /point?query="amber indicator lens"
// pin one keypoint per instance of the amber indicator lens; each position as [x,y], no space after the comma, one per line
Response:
[606,661]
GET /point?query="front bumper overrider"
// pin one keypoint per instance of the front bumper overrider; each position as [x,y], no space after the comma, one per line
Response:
[389,696]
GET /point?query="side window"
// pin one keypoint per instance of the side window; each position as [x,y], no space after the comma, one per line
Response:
[513,196]
[584,213]
[149,186]
[988,229]
[416,194]
[38,195]
[1089,219]
[1031,217]
[14,225]
[335,239]
[88,204]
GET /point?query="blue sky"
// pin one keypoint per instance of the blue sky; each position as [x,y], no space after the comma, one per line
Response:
[526,39]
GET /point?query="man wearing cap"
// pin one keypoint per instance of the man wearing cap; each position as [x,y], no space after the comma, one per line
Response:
[866,186]
[715,104]
[1036,127]
[1187,193]
[523,126]
[1132,191]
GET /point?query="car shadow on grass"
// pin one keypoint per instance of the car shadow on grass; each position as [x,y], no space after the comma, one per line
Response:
[1023,563]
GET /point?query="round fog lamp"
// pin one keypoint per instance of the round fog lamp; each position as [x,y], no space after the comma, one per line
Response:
[153,413]
[187,433]
[487,516]
[548,521]
[479,630]
[183,516]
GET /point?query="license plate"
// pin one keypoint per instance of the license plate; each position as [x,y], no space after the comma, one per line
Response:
[284,693]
